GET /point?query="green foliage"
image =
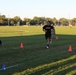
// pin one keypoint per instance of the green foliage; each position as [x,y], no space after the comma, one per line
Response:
[17,20]
[73,21]
[35,21]
[39,20]
[64,22]
[26,21]
[54,20]
[12,22]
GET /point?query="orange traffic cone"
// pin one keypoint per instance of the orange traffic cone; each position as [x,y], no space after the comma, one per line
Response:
[56,37]
[70,49]
[21,45]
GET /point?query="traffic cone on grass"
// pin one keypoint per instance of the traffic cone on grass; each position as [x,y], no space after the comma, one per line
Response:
[21,45]
[70,49]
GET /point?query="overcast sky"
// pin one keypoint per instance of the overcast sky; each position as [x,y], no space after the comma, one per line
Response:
[40,8]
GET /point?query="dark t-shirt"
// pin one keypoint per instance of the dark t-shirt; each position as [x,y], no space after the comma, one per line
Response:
[48,29]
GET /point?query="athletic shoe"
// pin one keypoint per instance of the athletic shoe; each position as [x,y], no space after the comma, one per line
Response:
[47,47]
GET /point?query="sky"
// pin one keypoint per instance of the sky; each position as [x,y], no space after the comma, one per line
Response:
[41,8]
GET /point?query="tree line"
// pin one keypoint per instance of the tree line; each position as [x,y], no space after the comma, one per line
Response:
[4,21]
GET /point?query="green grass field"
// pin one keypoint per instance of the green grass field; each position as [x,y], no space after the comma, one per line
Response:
[34,58]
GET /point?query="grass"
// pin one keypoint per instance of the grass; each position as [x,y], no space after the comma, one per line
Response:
[34,58]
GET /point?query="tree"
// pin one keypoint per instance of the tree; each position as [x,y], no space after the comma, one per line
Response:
[26,21]
[43,20]
[32,22]
[54,20]
[64,22]
[2,19]
[36,20]
[12,22]
[50,19]
[17,20]
[5,21]
[1,22]
[73,22]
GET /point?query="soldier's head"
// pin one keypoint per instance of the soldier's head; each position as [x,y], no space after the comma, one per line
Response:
[48,23]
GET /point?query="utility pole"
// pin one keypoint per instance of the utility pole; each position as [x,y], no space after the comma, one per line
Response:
[69,20]
[8,20]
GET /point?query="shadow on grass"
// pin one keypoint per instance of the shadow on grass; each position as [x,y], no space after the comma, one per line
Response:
[34,52]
